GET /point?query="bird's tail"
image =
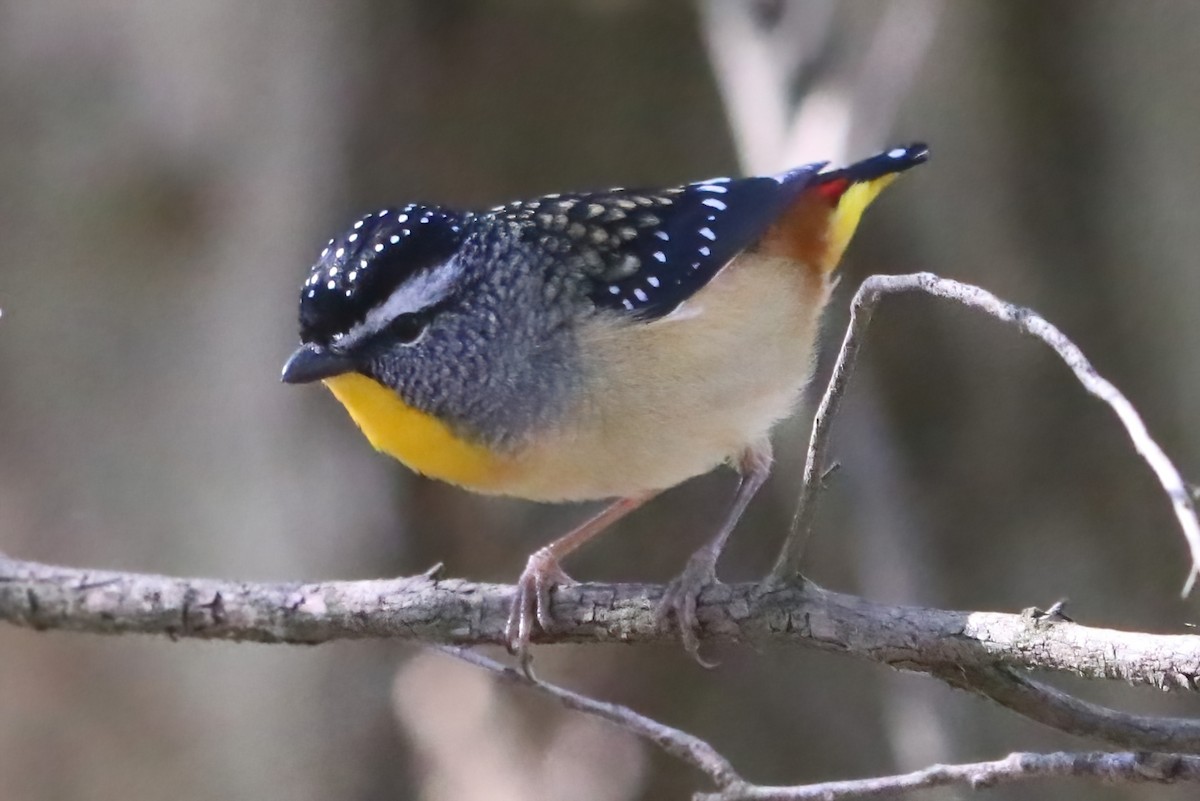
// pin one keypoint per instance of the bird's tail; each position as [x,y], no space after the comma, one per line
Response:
[819,226]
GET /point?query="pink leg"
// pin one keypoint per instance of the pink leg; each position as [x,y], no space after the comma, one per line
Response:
[679,601]
[543,572]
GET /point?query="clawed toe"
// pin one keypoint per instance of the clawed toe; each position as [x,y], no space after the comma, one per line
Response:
[680,599]
[531,603]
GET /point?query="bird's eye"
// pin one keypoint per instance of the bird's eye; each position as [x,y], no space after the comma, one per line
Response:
[407,328]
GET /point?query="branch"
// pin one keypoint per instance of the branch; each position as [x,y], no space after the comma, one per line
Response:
[1162,768]
[964,649]
[676,742]
[1019,767]
[873,290]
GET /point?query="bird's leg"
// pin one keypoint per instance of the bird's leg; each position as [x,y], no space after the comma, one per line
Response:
[679,600]
[543,572]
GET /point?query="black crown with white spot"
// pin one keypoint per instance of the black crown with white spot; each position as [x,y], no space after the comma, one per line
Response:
[360,269]
[638,252]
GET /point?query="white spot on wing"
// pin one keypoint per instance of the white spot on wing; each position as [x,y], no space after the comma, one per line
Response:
[708,234]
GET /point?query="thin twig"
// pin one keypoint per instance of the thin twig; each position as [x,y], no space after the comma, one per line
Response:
[679,744]
[1144,766]
[1027,321]
[1058,710]
[1131,768]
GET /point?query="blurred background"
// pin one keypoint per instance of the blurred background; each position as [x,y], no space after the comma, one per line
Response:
[170,170]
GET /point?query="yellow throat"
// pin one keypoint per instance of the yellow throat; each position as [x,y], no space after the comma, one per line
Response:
[420,440]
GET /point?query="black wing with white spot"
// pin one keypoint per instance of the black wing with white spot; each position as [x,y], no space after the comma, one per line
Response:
[359,270]
[646,251]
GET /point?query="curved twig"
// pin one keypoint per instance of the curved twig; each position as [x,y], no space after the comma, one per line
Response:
[1019,767]
[1027,321]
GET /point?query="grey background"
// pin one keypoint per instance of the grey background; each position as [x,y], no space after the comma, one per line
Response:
[168,172]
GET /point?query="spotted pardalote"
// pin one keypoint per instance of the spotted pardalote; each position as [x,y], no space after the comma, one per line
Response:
[586,346]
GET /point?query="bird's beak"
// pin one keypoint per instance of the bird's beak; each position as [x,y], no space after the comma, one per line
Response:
[312,363]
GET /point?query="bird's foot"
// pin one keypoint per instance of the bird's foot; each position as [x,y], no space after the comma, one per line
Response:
[531,603]
[679,601]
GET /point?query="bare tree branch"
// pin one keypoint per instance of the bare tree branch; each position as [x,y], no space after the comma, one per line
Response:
[873,290]
[1144,766]
[453,611]
[973,651]
[1058,710]
[679,744]
[1019,767]
[845,106]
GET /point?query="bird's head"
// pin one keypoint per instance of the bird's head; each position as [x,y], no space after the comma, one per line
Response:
[374,292]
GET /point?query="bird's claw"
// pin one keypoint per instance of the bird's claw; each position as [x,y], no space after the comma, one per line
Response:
[531,603]
[679,601]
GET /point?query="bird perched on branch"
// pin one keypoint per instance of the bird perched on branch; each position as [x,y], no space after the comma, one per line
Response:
[587,346]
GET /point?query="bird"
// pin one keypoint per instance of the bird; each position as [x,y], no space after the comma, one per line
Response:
[587,346]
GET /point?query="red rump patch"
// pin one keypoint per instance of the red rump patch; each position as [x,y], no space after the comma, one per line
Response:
[833,190]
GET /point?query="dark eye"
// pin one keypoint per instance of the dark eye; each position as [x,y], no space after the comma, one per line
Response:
[407,328]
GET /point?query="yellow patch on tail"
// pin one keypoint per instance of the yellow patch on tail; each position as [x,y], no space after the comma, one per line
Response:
[818,226]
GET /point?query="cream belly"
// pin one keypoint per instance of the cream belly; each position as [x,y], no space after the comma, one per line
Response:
[669,400]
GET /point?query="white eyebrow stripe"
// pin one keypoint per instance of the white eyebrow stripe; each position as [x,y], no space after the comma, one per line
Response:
[419,292]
